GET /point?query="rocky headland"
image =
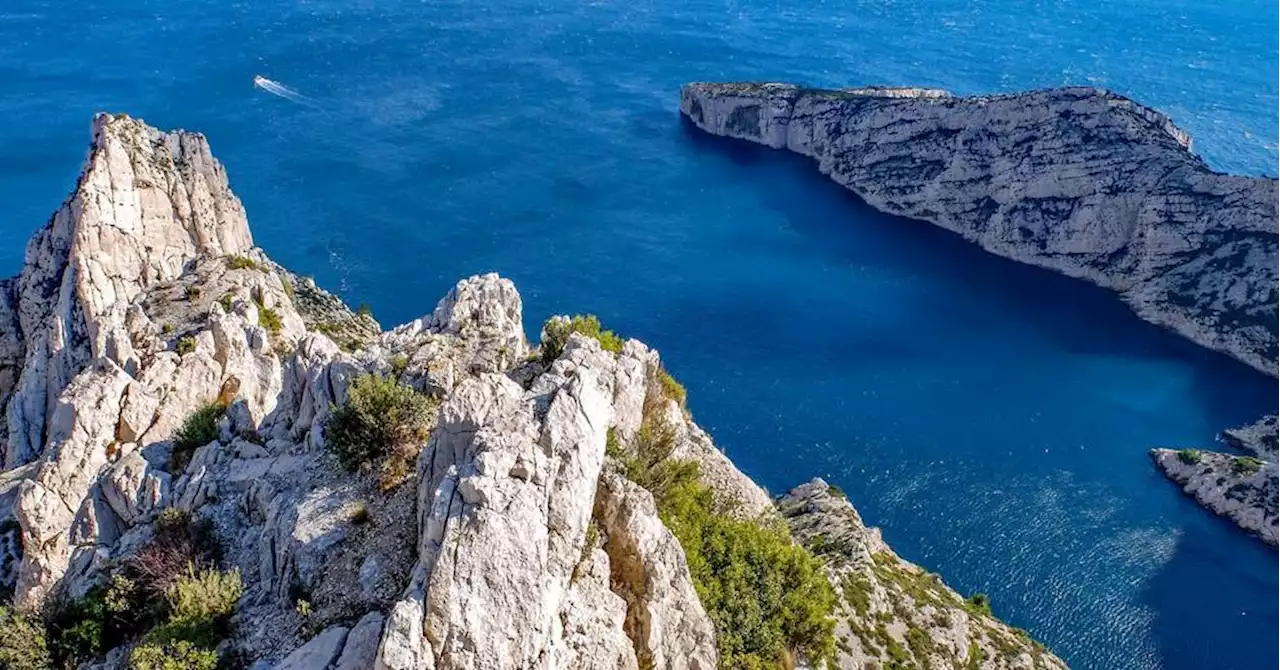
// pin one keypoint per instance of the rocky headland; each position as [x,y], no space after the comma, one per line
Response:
[211,462]
[1077,180]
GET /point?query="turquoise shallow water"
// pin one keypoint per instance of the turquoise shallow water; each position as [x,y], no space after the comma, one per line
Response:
[992,418]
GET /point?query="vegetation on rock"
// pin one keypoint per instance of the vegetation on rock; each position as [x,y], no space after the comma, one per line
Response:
[768,597]
[557,329]
[382,424]
[23,644]
[241,263]
[199,429]
[268,318]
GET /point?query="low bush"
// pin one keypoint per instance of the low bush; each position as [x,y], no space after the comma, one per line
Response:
[23,645]
[225,301]
[199,429]
[186,344]
[241,263]
[107,616]
[1189,456]
[979,603]
[557,329]
[1246,466]
[671,388]
[200,605]
[270,319]
[768,598]
[382,424]
[174,655]
[193,292]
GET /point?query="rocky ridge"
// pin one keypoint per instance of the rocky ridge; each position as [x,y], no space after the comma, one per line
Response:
[1077,180]
[515,540]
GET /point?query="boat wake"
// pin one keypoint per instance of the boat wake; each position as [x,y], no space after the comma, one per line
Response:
[278,89]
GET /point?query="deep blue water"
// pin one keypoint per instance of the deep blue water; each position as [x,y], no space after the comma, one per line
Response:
[992,418]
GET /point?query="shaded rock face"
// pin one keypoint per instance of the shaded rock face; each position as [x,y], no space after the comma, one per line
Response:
[892,612]
[1078,180]
[515,543]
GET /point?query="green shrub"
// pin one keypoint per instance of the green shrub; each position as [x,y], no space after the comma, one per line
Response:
[979,603]
[166,328]
[225,301]
[671,389]
[200,606]
[557,329]
[365,310]
[1246,465]
[186,344]
[289,290]
[193,292]
[174,655]
[382,423]
[360,515]
[836,491]
[81,630]
[399,363]
[199,429]
[22,642]
[241,263]
[1189,456]
[268,318]
[768,598]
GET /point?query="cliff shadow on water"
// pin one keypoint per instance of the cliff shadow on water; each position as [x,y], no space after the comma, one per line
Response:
[1074,316]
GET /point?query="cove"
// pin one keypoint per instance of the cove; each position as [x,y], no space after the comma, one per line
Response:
[992,418]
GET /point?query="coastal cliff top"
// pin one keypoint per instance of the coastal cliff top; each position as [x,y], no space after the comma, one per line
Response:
[1106,98]
[210,459]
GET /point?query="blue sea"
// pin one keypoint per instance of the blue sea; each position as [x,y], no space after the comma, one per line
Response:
[993,419]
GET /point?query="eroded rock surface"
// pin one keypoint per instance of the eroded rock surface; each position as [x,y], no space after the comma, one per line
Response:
[893,612]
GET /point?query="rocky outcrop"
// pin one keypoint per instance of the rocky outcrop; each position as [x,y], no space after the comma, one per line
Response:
[893,613]
[1078,180]
[147,204]
[515,542]
[1237,487]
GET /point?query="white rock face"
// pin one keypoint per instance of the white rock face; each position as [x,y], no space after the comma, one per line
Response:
[147,204]
[1079,180]
[507,506]
[664,615]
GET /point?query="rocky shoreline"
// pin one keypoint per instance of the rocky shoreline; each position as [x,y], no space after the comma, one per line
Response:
[1077,180]
[162,378]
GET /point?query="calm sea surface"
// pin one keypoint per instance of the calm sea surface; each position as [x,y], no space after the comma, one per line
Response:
[993,419]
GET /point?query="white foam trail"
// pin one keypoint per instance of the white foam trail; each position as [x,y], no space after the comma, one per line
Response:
[276,88]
